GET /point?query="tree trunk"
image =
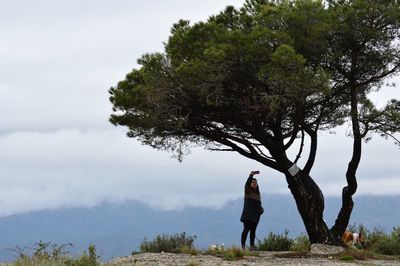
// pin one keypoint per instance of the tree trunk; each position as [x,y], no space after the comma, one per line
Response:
[343,218]
[310,204]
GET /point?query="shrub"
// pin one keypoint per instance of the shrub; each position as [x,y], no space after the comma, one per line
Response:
[215,250]
[374,237]
[378,241]
[45,253]
[85,259]
[276,242]
[187,250]
[386,247]
[168,243]
[301,244]
[234,253]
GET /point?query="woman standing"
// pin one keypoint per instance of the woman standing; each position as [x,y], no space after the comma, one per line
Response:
[252,210]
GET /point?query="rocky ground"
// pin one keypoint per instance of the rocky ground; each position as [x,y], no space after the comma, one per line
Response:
[263,258]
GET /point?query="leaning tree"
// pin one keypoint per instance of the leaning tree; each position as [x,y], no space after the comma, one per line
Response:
[263,81]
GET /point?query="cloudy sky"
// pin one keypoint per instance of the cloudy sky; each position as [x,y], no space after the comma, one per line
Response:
[57,148]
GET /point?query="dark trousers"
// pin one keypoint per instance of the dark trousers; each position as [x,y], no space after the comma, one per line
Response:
[249,226]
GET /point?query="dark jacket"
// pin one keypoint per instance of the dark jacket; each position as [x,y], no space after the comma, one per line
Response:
[252,208]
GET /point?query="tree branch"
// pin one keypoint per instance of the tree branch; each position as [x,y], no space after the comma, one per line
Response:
[301,147]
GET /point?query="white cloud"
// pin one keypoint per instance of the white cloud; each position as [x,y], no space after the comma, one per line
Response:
[74,168]
[69,167]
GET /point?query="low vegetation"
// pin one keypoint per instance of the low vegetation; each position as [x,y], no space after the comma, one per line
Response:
[48,254]
[377,245]
[178,243]
[276,242]
[378,242]
[232,253]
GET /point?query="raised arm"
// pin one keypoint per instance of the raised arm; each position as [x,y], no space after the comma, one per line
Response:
[252,173]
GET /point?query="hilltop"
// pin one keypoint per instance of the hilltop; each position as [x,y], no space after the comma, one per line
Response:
[118,229]
[263,258]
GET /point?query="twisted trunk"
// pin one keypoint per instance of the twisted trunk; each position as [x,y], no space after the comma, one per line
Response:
[310,204]
[343,218]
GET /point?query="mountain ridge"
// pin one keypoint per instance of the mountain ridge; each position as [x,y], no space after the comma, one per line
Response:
[118,229]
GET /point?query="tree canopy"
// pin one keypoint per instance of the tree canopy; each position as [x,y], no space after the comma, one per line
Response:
[261,79]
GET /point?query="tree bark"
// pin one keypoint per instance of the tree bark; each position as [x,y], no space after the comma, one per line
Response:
[310,204]
[343,218]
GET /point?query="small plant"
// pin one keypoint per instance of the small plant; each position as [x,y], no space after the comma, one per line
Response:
[387,246]
[347,258]
[234,253]
[168,243]
[45,253]
[187,250]
[301,244]
[276,242]
[374,237]
[215,249]
[381,243]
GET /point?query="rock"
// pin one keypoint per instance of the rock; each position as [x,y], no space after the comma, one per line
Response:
[323,249]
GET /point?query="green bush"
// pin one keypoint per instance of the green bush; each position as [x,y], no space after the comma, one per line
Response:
[188,250]
[378,241]
[85,259]
[371,238]
[276,242]
[301,244]
[234,253]
[388,244]
[47,254]
[387,247]
[168,243]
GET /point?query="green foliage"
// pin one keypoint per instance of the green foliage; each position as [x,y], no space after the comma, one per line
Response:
[47,254]
[188,250]
[276,242]
[86,259]
[270,67]
[301,244]
[373,237]
[234,253]
[178,243]
[347,258]
[387,244]
[377,241]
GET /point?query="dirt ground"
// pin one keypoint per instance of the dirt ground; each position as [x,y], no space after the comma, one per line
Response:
[263,258]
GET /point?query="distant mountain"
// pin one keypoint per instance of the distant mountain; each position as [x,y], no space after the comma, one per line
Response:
[117,230]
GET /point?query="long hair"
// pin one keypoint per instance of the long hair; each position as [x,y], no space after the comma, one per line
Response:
[257,190]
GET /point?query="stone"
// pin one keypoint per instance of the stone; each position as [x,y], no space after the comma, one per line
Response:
[323,249]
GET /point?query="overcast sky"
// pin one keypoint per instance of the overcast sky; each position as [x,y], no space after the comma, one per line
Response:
[57,148]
